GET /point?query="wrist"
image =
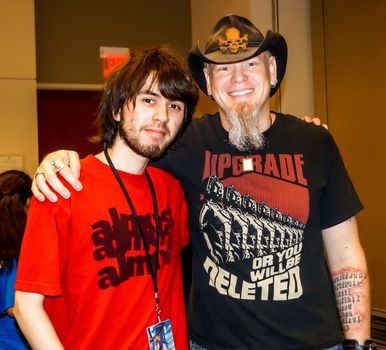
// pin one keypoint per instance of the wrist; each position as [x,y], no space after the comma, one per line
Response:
[352,344]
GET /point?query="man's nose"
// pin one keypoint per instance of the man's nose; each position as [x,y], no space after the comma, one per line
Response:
[162,113]
[238,74]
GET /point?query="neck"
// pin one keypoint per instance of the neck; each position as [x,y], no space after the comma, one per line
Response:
[124,158]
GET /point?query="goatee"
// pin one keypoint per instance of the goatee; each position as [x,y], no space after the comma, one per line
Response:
[244,131]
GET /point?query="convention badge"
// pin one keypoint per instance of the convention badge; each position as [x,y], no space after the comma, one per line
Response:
[160,336]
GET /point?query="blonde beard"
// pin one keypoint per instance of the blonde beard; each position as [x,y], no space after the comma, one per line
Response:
[244,131]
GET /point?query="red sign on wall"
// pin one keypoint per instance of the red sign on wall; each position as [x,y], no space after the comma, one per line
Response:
[112,57]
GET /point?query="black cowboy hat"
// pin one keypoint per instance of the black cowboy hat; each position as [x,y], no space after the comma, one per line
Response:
[234,39]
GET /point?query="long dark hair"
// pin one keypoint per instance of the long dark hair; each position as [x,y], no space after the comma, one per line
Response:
[167,68]
[15,190]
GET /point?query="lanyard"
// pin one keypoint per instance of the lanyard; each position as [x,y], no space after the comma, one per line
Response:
[154,269]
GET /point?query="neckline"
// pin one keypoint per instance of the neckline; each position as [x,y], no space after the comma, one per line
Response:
[266,133]
[105,167]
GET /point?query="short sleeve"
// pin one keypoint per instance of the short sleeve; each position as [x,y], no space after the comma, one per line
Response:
[43,252]
[339,199]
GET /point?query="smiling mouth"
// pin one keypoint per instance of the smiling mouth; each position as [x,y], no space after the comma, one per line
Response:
[240,92]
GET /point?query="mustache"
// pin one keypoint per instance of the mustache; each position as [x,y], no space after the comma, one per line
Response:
[159,126]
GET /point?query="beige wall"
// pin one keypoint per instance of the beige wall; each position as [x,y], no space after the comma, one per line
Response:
[295,25]
[350,57]
[18,118]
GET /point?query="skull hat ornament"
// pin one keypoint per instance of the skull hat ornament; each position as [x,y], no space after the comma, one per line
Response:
[235,39]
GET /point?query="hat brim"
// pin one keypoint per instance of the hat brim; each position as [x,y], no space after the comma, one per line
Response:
[273,42]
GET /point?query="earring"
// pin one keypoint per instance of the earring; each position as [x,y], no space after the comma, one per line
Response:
[274,85]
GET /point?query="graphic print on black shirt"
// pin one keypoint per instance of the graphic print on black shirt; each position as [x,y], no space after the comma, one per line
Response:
[120,239]
[254,237]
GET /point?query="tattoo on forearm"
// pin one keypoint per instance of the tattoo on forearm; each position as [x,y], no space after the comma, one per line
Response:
[350,290]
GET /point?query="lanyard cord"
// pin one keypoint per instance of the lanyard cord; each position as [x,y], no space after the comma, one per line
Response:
[156,216]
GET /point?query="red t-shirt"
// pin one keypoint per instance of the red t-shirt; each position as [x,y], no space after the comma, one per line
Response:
[86,256]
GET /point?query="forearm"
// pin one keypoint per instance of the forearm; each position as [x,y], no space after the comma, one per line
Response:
[352,292]
[348,268]
[36,326]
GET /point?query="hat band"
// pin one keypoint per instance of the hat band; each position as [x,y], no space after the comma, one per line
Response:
[217,48]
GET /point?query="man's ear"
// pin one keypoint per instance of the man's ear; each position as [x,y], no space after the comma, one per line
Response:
[272,69]
[117,116]
[207,79]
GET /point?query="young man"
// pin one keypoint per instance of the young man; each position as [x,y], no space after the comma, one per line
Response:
[269,198]
[97,271]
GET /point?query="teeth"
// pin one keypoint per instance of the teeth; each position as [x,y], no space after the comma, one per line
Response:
[240,93]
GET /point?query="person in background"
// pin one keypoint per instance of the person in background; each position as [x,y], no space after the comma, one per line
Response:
[103,270]
[276,251]
[15,193]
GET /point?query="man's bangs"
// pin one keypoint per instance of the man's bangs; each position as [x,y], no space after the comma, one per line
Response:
[173,86]
[135,83]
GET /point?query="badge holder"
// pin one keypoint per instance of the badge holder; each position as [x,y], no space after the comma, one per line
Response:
[160,336]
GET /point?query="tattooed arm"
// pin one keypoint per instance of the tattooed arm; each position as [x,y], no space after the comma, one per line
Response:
[349,273]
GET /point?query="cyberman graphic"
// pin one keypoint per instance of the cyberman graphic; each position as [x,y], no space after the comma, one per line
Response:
[216,221]
[252,226]
[239,223]
[236,227]
[255,226]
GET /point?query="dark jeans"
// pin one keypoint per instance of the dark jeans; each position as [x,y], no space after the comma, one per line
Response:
[195,346]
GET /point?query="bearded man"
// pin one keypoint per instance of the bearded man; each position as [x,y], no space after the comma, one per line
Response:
[97,271]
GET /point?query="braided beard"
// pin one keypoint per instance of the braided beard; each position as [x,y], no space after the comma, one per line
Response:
[244,131]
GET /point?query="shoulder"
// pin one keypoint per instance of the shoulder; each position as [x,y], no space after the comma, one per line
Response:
[162,176]
[89,162]
[166,184]
[201,129]
[288,120]
[204,122]
[296,128]
[94,170]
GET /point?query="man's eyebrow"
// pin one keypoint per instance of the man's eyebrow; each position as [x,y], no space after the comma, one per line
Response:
[150,92]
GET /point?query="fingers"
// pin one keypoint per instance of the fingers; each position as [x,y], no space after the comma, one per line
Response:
[315,121]
[40,188]
[74,164]
[46,183]
[35,189]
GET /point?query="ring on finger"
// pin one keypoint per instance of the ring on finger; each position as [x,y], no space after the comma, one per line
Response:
[57,165]
[39,173]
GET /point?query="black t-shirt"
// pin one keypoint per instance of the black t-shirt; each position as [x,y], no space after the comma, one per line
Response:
[260,278]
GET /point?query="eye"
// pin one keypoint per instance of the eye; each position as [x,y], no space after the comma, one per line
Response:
[222,68]
[252,63]
[176,106]
[148,100]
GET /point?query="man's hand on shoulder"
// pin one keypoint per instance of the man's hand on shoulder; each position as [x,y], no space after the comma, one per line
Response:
[314,120]
[46,183]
